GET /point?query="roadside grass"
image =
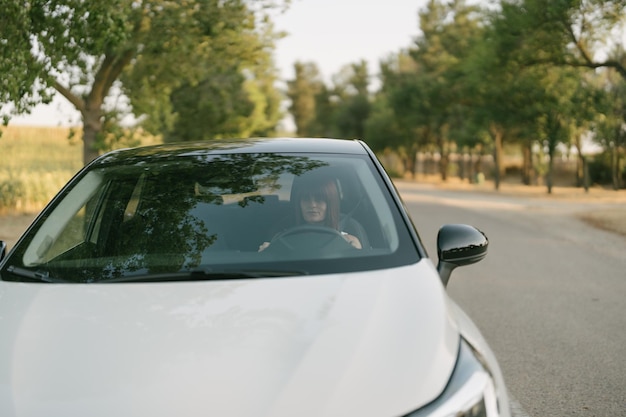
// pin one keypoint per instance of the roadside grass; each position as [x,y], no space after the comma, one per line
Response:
[35,162]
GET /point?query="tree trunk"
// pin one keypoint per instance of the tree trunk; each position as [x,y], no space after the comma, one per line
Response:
[496,135]
[444,161]
[580,170]
[550,170]
[585,173]
[527,165]
[428,161]
[619,171]
[444,157]
[461,163]
[405,164]
[471,174]
[615,168]
[581,165]
[92,126]
[478,166]
[411,159]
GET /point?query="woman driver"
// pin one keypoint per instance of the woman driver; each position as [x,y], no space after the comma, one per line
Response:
[317,203]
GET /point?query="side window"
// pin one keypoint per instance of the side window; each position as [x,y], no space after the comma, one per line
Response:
[71,236]
[117,220]
[133,203]
[77,231]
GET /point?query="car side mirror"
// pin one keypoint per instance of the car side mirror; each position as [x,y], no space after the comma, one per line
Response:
[3,249]
[459,245]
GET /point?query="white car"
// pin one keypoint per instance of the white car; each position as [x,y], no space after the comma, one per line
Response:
[259,277]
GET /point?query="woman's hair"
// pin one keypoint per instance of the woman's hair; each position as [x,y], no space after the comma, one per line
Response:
[320,189]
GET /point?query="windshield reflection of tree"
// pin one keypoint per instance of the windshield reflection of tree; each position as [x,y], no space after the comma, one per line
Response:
[169,238]
[246,173]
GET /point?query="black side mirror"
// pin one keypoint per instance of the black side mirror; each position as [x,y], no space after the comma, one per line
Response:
[3,249]
[459,245]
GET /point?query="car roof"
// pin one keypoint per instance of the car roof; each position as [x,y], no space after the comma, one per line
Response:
[230,146]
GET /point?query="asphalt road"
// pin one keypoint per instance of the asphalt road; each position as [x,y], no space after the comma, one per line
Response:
[550,297]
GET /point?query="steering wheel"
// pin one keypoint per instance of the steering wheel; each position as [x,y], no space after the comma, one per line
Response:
[308,237]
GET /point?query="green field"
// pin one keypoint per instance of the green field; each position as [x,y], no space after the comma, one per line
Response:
[35,162]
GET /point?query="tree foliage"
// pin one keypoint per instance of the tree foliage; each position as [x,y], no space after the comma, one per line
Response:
[340,108]
[576,33]
[546,40]
[81,49]
[352,100]
[302,92]
[610,128]
[429,95]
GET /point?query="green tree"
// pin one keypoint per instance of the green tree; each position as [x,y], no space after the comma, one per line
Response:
[226,103]
[81,49]
[432,97]
[537,37]
[381,128]
[302,92]
[506,96]
[230,92]
[353,100]
[217,106]
[341,109]
[610,128]
[324,123]
[556,111]
[575,33]
[404,92]
[586,96]
[472,113]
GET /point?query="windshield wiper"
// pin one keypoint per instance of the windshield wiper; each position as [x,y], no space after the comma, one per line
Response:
[206,275]
[35,276]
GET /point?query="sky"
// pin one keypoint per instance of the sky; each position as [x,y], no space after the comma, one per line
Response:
[330,33]
[334,33]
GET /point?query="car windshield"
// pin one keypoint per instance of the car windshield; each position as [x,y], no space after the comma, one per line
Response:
[216,217]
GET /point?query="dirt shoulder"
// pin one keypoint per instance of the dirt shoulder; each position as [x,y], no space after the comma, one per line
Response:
[609,214]
[613,220]
[13,225]
[607,208]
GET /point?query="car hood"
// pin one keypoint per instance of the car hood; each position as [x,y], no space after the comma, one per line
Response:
[380,343]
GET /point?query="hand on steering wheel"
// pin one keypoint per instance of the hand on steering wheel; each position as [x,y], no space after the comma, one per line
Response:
[306,229]
[309,237]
